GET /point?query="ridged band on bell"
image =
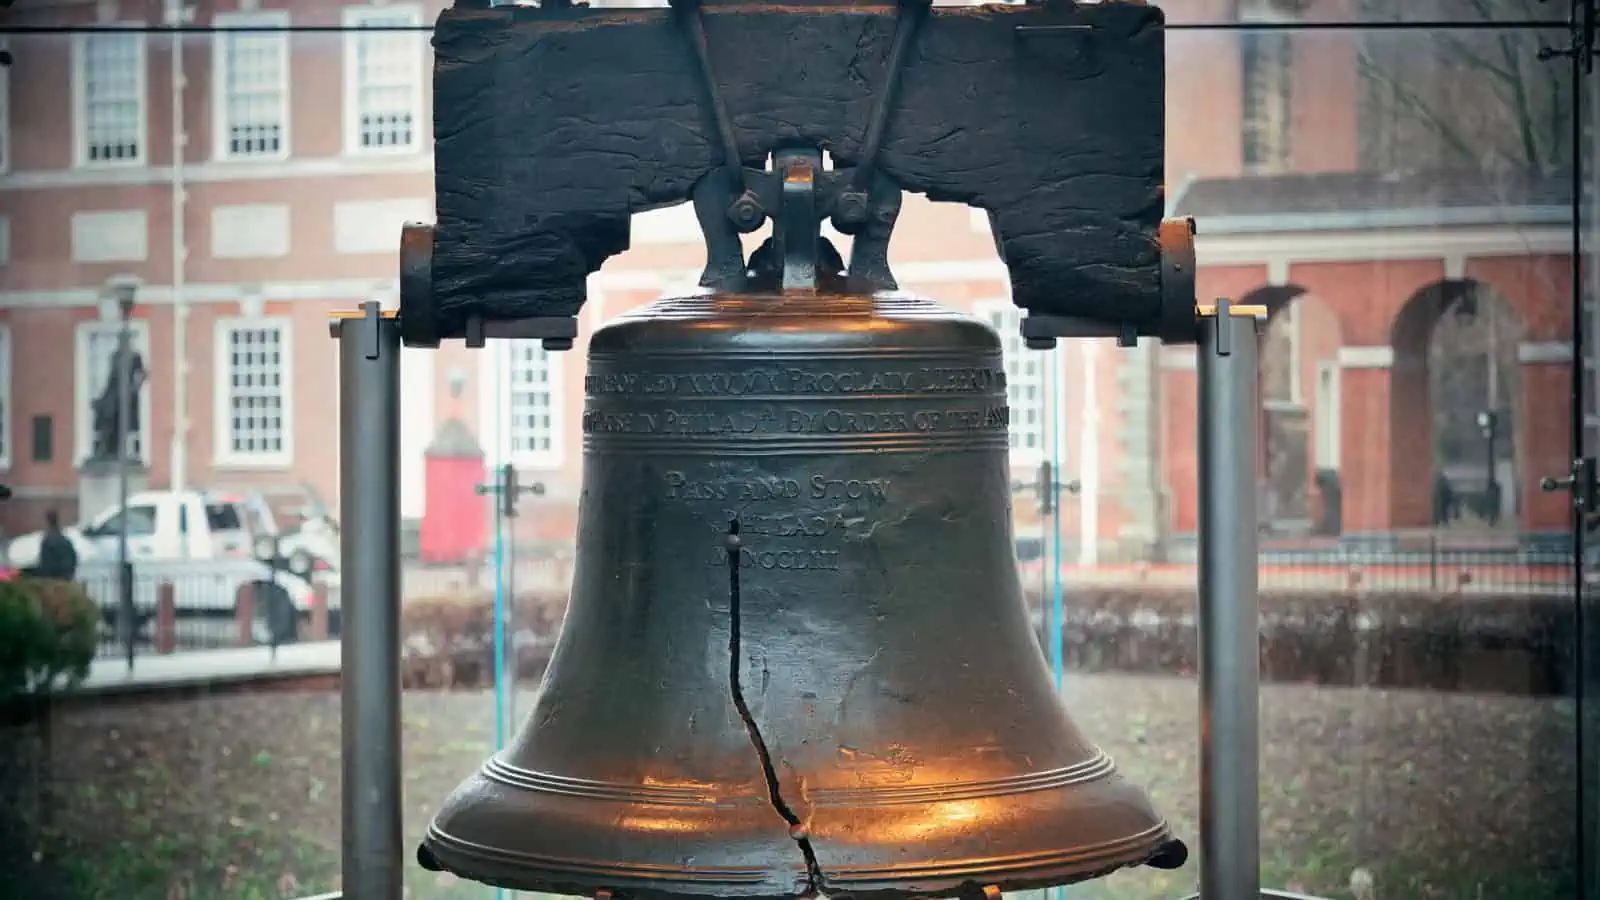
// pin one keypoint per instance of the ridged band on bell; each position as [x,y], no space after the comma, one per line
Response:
[845,695]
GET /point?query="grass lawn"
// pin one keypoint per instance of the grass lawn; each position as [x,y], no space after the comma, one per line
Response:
[1436,795]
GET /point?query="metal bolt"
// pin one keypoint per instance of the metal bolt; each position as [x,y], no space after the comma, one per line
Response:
[746,213]
[850,209]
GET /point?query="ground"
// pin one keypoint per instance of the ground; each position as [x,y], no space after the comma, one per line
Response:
[1436,795]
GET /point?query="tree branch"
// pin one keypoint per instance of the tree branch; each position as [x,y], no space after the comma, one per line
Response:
[1522,110]
[1471,56]
[1445,131]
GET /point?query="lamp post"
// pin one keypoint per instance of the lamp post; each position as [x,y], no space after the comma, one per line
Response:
[507,489]
[122,290]
[1488,426]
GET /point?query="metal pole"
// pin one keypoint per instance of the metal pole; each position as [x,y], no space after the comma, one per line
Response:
[179,14]
[1230,852]
[369,490]
[124,376]
[508,620]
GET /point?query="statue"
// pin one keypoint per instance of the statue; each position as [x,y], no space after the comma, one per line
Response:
[107,407]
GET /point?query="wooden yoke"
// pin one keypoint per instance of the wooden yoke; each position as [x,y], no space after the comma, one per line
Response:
[554,125]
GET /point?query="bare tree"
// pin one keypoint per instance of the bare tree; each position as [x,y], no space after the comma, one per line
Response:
[1464,99]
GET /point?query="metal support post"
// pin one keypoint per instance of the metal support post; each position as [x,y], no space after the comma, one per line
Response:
[509,490]
[1230,668]
[369,490]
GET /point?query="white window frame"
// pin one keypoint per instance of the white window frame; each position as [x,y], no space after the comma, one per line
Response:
[495,407]
[222,453]
[355,18]
[8,435]
[1267,12]
[220,71]
[80,112]
[84,392]
[1014,353]
[1328,419]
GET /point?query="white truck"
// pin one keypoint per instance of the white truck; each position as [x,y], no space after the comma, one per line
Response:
[204,543]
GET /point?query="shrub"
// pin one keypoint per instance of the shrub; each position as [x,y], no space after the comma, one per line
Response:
[449,639]
[49,630]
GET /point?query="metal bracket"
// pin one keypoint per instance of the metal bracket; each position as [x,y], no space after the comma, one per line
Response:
[1047,487]
[370,314]
[507,488]
[796,229]
[1583,23]
[1040,332]
[1584,484]
[556,333]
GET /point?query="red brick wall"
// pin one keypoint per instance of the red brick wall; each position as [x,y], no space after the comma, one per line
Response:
[1384,454]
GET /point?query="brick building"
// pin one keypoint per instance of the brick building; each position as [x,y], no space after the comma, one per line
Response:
[301,154]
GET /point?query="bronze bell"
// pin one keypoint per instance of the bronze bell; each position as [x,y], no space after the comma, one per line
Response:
[796,657]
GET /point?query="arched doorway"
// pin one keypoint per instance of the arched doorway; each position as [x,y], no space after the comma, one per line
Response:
[1299,390]
[1456,409]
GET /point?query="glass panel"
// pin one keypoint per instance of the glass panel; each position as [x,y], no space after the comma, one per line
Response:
[1398,198]
[211,791]
[1414,248]
[1587,419]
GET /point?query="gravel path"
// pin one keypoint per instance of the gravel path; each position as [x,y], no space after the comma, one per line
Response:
[1436,795]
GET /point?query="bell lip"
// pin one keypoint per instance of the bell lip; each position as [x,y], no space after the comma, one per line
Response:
[461,859]
[461,840]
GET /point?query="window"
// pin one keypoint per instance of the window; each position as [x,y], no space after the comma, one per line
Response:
[532,422]
[44,439]
[253,411]
[109,94]
[1280,359]
[223,517]
[1266,66]
[522,411]
[6,438]
[383,80]
[141,522]
[96,355]
[252,86]
[1024,380]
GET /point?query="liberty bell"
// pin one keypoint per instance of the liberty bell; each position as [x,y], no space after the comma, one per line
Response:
[796,657]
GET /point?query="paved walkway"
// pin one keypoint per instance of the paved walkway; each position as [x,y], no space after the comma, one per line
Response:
[112,675]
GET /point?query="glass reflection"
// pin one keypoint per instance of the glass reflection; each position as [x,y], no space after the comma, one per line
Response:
[1400,199]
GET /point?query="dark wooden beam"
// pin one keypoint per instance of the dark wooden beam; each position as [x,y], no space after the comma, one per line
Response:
[553,126]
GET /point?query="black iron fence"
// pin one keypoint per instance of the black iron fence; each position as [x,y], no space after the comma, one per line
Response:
[171,608]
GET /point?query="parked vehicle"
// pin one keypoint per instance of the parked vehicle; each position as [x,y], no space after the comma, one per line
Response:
[202,543]
[163,525]
[209,589]
[308,548]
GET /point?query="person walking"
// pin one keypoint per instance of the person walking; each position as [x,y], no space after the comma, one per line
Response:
[57,557]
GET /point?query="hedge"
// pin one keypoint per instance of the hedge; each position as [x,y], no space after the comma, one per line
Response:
[1491,641]
[1500,642]
[449,639]
[49,631]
